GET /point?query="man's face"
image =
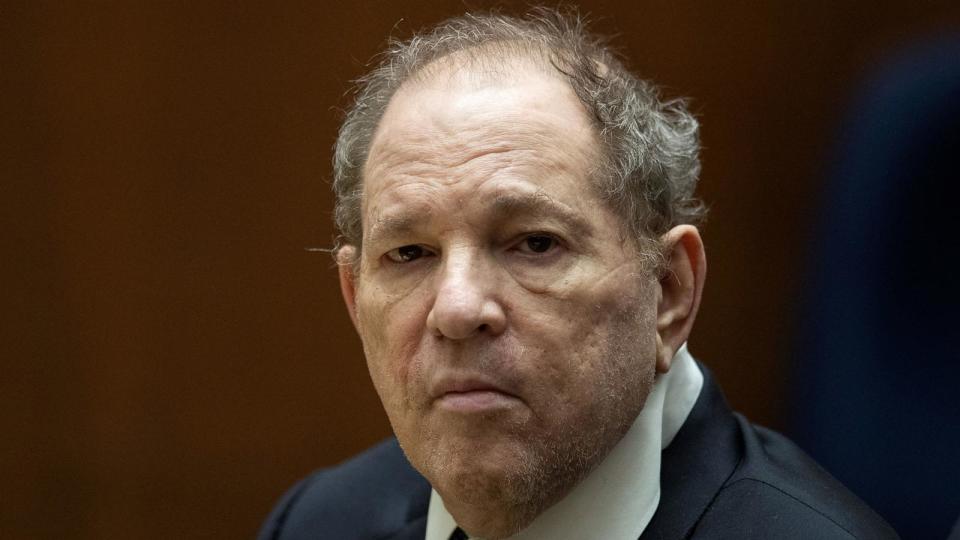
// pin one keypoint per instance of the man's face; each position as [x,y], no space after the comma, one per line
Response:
[508,324]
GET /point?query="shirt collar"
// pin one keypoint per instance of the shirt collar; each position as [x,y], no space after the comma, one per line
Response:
[620,496]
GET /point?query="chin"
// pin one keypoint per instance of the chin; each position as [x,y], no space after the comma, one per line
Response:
[495,488]
[475,468]
[491,499]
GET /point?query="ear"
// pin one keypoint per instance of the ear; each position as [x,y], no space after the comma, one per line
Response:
[680,290]
[346,256]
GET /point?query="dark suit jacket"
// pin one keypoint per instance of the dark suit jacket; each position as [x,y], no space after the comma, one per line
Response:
[721,477]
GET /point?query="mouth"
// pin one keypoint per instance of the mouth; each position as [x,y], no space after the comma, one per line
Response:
[472,396]
[475,401]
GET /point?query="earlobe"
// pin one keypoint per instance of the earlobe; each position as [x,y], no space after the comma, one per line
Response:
[346,257]
[680,290]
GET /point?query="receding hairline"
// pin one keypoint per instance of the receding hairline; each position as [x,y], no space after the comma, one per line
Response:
[489,58]
[491,62]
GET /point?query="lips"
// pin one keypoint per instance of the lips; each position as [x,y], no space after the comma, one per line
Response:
[470,393]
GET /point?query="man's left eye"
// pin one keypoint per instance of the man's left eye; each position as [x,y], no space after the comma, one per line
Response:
[538,243]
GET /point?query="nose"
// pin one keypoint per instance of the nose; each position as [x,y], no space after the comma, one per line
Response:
[466,301]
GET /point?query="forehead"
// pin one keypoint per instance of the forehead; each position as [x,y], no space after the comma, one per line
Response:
[481,127]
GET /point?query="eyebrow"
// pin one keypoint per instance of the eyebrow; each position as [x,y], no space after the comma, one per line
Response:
[539,204]
[398,223]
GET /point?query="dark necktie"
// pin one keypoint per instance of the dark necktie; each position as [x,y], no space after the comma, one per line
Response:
[458,534]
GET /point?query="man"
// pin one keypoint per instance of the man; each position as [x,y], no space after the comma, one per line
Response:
[521,261]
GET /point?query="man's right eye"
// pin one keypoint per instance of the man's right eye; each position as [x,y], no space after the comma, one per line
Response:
[405,254]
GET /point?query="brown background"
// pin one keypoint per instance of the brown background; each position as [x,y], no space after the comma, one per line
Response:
[173,358]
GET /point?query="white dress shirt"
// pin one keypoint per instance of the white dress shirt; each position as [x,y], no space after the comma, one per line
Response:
[618,498]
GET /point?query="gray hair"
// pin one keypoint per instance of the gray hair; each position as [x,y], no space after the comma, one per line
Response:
[650,146]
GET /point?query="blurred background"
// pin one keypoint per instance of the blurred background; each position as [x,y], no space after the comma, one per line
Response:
[173,357]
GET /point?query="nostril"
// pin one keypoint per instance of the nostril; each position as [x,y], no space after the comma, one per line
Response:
[464,312]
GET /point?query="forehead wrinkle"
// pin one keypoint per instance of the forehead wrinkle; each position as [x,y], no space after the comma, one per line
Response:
[417,130]
[418,153]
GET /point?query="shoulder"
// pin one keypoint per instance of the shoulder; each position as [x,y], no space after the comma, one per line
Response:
[373,495]
[722,477]
[778,491]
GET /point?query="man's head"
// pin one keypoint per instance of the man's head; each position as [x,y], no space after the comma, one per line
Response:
[516,275]
[648,157]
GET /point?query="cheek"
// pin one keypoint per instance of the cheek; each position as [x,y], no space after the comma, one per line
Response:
[591,335]
[391,328]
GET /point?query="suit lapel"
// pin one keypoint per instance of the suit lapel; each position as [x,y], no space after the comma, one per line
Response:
[695,466]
